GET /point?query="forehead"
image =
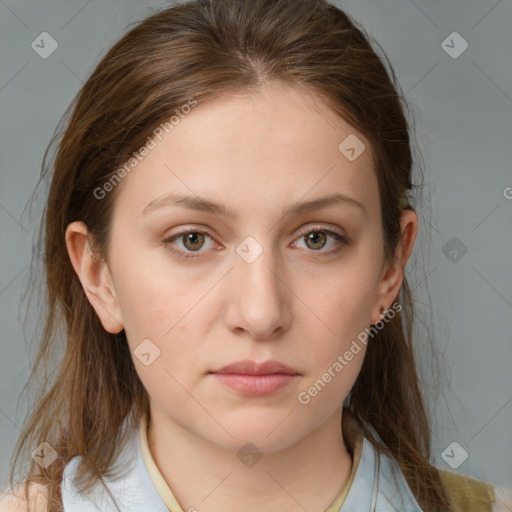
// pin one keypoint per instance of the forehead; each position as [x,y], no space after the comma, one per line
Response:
[275,146]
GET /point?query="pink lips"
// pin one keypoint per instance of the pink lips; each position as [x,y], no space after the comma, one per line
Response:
[256,379]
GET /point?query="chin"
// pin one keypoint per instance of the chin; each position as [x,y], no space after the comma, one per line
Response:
[268,433]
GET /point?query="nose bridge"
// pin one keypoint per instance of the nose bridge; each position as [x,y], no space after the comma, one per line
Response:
[260,292]
[258,269]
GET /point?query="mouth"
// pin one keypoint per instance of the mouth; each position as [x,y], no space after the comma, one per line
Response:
[256,379]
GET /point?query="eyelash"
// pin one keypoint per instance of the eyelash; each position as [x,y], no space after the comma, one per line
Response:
[316,229]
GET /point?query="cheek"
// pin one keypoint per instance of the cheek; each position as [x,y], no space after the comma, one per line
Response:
[336,342]
[173,319]
[343,306]
[325,390]
[151,297]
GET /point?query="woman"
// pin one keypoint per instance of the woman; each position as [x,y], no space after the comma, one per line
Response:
[226,235]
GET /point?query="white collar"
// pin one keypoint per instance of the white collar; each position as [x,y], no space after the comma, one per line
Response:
[378,483]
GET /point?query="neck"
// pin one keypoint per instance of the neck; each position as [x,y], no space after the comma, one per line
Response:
[307,475]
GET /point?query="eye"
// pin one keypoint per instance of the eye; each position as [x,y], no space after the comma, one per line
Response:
[192,241]
[316,238]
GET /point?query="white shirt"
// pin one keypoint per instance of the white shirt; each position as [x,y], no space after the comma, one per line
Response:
[378,485]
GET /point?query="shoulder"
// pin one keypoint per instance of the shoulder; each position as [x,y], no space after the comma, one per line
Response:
[15,501]
[503,500]
[471,495]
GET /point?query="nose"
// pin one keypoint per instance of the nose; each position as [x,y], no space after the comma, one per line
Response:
[259,297]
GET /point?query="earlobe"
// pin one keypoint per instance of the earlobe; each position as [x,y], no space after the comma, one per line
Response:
[95,277]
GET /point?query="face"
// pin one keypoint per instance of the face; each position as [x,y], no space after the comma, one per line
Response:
[248,279]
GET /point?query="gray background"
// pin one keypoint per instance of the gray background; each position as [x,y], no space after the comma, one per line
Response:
[463,110]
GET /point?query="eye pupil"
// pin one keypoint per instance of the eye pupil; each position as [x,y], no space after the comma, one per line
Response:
[192,237]
[313,237]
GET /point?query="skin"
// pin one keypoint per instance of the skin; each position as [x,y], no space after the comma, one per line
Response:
[259,154]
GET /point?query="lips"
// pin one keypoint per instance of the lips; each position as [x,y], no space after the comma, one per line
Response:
[248,367]
[254,379]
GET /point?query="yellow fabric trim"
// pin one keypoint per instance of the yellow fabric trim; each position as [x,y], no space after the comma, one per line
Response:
[338,502]
[170,500]
[159,481]
[467,494]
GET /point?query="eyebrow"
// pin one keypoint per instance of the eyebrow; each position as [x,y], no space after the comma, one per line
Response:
[209,206]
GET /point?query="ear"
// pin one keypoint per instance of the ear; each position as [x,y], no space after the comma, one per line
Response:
[95,277]
[393,274]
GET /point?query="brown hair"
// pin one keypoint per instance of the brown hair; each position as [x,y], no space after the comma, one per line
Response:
[204,49]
